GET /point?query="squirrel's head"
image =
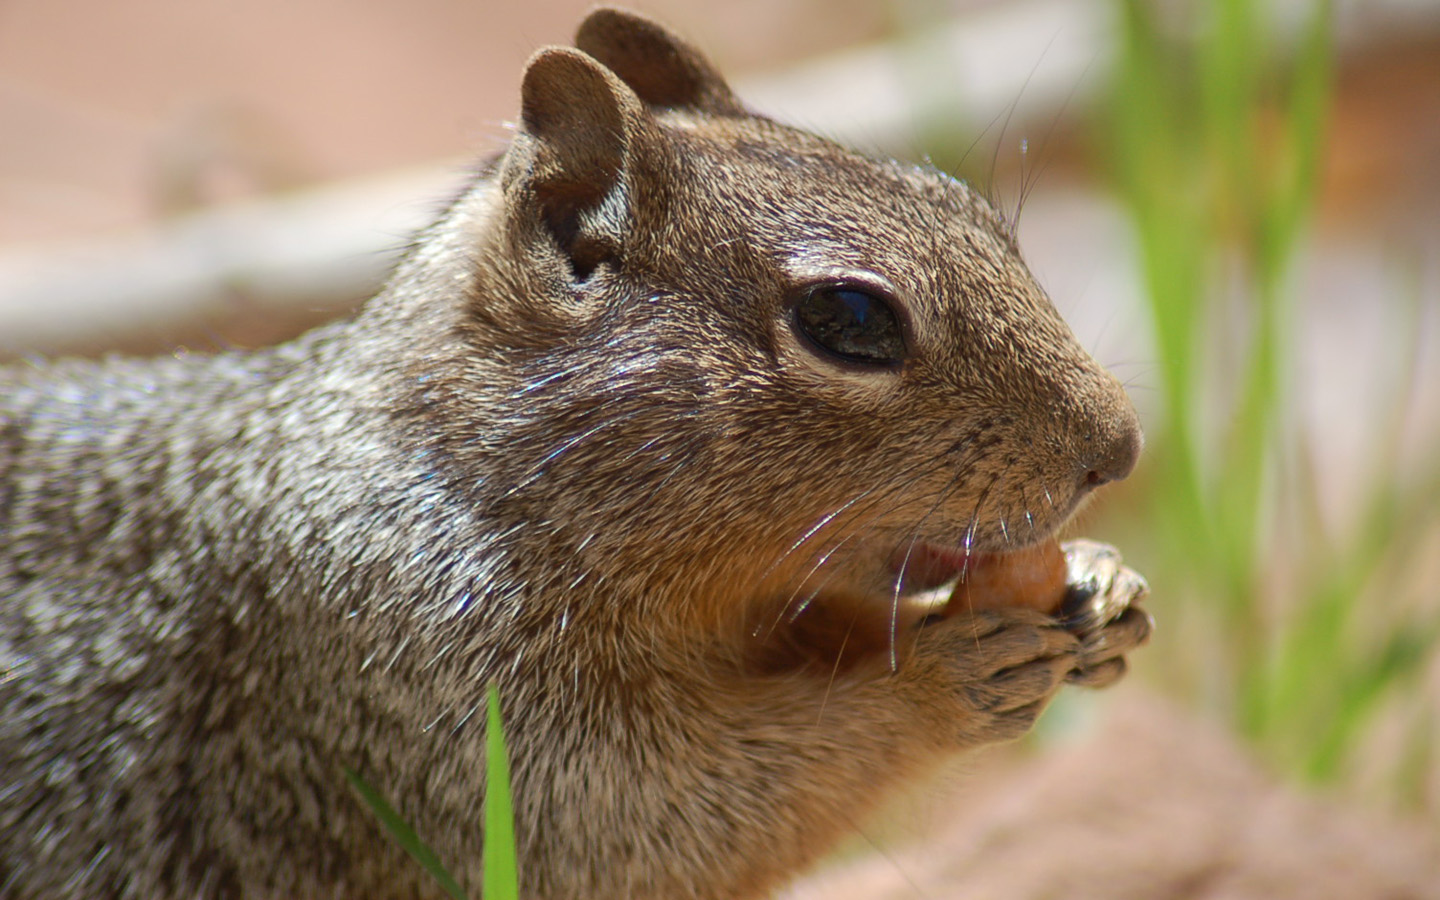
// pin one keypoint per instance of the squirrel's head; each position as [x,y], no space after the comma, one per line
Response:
[739,365]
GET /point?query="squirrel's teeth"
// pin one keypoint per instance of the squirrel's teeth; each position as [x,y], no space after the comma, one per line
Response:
[932,599]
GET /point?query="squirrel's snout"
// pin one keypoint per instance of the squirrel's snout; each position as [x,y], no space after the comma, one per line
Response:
[1115,452]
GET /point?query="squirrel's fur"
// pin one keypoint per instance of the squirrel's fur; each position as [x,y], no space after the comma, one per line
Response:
[576,448]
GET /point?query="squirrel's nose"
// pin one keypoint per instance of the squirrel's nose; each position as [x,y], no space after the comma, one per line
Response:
[1115,453]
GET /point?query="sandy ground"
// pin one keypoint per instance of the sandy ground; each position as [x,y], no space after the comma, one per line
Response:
[1154,805]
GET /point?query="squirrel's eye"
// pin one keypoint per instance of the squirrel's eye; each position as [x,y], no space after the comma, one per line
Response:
[851,324]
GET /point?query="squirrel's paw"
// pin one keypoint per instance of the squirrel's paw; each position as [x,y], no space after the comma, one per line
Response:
[1003,667]
[1102,653]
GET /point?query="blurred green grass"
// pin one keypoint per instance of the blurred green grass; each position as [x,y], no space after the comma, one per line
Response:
[1307,637]
[1212,137]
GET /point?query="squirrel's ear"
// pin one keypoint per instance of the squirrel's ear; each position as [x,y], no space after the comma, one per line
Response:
[659,67]
[580,127]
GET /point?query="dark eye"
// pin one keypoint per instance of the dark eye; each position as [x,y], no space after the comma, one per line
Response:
[851,324]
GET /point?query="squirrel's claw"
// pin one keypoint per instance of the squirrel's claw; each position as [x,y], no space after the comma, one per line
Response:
[1098,588]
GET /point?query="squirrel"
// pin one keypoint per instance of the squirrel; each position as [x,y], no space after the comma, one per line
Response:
[660,428]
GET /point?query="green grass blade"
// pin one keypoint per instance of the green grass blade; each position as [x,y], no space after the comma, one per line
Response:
[501,881]
[1156,161]
[404,835]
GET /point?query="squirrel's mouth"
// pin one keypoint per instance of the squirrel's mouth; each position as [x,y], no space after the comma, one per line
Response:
[934,578]
[921,566]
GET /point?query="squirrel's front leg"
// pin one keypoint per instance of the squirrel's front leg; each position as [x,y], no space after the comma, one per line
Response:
[963,678]
[985,676]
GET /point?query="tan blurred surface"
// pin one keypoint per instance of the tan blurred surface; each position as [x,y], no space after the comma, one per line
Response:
[1154,805]
[114,112]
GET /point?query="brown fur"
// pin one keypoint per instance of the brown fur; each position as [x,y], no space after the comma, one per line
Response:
[575,448]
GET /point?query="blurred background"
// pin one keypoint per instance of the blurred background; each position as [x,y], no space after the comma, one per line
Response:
[1236,205]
